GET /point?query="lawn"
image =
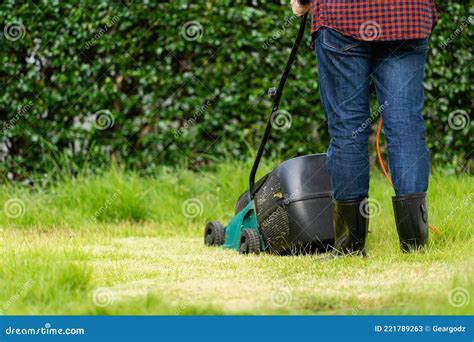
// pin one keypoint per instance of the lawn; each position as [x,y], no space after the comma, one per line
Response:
[118,243]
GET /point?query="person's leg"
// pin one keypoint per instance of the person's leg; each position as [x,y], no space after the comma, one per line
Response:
[343,68]
[398,73]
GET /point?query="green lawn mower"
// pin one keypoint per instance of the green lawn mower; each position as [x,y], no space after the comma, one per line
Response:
[287,211]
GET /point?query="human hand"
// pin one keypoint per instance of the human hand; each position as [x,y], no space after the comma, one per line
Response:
[299,8]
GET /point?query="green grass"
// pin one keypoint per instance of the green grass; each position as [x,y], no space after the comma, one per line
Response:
[121,244]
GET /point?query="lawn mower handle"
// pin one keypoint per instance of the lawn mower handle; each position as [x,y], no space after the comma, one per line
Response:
[276,95]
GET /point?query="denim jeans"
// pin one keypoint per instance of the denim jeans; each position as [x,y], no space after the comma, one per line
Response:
[346,67]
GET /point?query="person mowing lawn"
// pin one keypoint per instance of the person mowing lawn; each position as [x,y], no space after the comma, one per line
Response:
[384,42]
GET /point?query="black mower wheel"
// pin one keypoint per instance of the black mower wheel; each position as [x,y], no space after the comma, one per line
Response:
[249,242]
[214,234]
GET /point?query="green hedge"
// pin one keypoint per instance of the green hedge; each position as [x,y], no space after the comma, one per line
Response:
[183,82]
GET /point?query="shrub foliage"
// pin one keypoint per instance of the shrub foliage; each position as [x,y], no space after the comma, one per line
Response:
[146,83]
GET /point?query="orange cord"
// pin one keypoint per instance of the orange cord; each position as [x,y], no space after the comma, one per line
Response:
[384,171]
[379,155]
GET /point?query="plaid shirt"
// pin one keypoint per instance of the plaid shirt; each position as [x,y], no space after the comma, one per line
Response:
[375,19]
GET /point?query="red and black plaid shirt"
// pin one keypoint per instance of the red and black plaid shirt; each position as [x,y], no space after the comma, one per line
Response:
[375,19]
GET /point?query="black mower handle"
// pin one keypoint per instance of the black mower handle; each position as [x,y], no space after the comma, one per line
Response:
[276,95]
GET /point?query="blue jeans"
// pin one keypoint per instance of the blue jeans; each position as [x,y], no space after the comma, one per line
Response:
[346,67]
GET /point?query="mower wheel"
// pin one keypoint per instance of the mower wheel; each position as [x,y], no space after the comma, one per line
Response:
[214,234]
[249,242]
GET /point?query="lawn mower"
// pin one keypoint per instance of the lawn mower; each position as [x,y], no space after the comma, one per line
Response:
[287,211]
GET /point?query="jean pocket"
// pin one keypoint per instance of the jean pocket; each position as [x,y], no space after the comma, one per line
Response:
[334,40]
